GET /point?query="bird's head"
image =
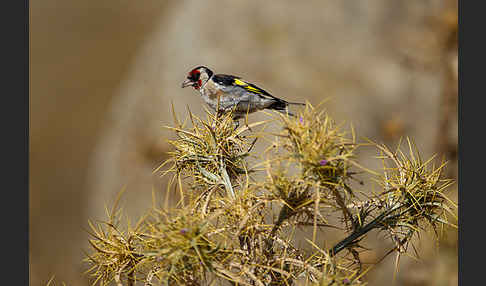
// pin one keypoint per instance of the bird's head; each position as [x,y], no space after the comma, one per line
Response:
[197,77]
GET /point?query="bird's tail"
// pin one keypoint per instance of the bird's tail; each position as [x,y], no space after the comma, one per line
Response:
[283,106]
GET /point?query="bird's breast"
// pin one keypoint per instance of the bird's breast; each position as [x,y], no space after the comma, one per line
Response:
[210,94]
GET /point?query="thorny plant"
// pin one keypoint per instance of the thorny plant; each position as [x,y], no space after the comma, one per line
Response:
[224,230]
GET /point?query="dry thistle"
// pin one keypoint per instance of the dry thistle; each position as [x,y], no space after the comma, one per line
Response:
[180,249]
[212,153]
[224,232]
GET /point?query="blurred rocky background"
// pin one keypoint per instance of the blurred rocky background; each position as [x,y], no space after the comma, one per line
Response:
[104,74]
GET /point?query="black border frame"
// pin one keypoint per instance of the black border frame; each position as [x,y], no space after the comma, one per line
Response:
[15,141]
[471,124]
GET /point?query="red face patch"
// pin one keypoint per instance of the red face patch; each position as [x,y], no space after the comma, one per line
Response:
[195,74]
[194,77]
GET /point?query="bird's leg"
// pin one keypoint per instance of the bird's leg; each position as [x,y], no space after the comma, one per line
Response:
[219,113]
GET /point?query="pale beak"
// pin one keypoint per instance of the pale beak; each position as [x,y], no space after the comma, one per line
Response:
[187,83]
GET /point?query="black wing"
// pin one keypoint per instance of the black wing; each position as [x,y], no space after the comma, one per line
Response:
[224,79]
[231,80]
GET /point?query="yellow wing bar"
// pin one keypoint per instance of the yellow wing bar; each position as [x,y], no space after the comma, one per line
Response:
[247,86]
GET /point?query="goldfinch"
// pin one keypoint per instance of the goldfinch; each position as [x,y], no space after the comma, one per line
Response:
[233,93]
